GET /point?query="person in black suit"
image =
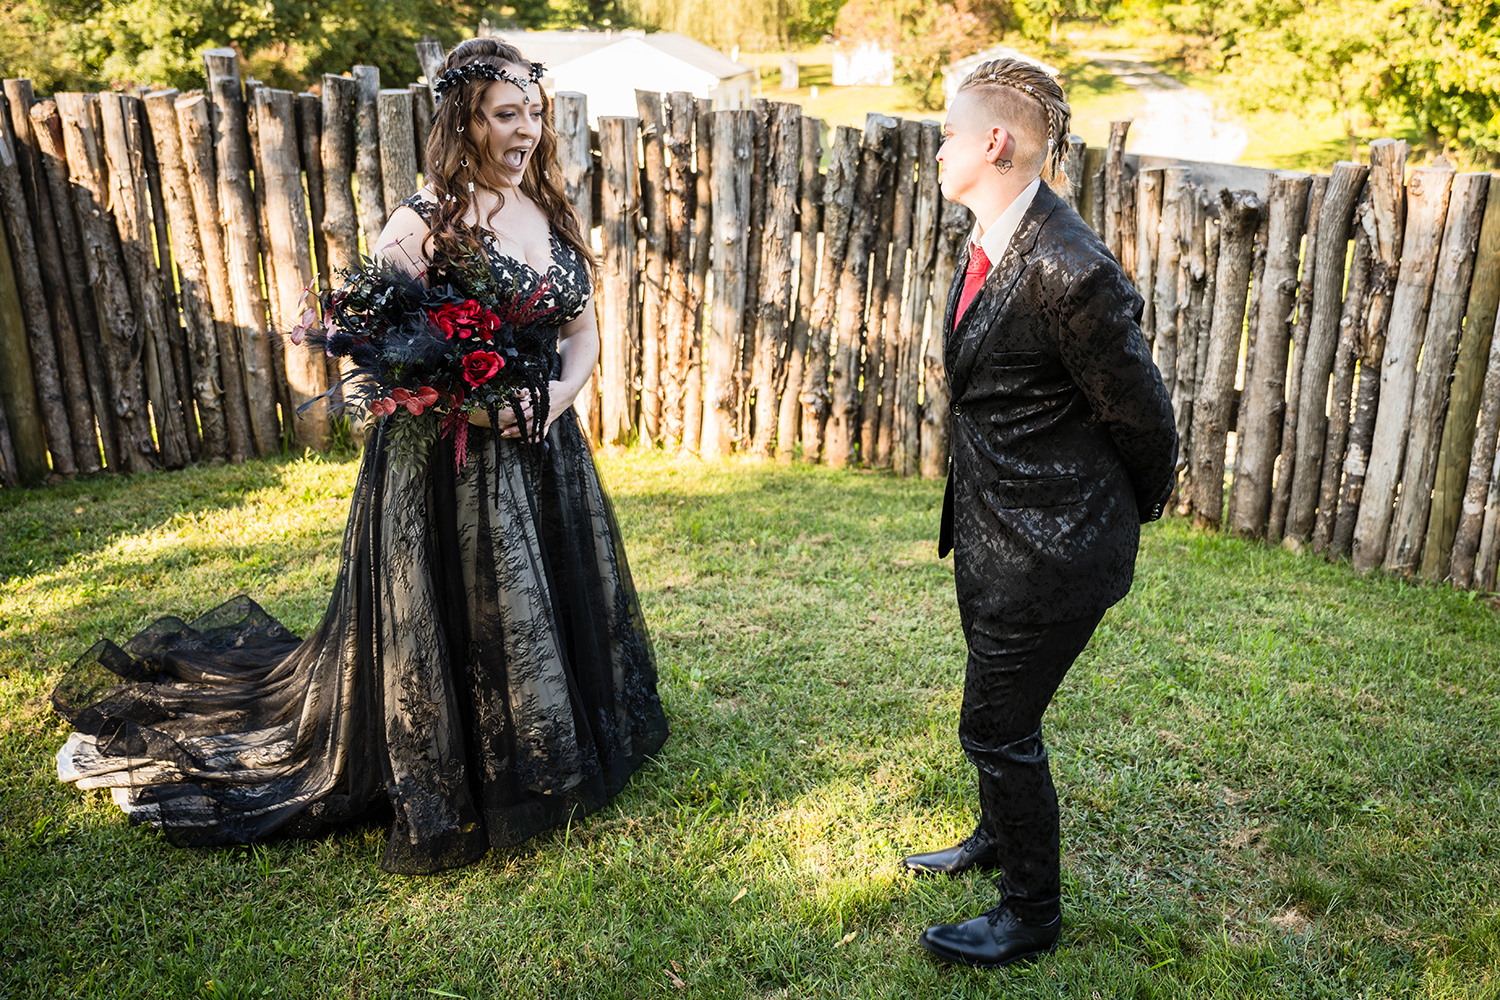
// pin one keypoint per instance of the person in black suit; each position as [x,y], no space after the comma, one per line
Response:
[1064,443]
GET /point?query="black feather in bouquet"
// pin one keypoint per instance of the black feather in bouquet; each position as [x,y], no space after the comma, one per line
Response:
[425,358]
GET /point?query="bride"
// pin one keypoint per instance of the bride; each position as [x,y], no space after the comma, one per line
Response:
[483,672]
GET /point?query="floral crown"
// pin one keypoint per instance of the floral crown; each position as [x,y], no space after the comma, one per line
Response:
[459,75]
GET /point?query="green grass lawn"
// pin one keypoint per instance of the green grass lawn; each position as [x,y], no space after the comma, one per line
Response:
[1278,779]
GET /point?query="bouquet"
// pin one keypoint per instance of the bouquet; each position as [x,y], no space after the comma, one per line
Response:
[424,358]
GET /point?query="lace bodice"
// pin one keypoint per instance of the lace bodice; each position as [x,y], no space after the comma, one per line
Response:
[569,275]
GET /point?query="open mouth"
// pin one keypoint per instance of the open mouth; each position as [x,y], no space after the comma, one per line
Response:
[516,158]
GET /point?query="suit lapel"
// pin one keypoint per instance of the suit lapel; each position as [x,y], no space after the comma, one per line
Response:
[973,330]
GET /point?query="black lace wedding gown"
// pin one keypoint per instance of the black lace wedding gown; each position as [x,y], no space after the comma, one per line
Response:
[482,673]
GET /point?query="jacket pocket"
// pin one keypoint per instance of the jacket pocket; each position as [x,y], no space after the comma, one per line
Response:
[1053,491]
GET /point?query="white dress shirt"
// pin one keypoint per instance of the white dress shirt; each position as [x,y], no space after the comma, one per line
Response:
[996,236]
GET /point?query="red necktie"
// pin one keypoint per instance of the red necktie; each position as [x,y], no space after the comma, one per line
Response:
[979,269]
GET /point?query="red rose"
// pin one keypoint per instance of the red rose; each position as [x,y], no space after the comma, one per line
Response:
[464,320]
[481,366]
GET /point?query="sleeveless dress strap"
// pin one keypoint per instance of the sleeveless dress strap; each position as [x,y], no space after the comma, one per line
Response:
[422,205]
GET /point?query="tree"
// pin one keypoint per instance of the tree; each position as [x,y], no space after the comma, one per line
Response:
[925,37]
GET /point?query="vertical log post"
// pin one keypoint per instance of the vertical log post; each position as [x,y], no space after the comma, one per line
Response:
[810,184]
[1265,377]
[1095,167]
[678,324]
[1192,331]
[367,162]
[423,110]
[1168,256]
[954,226]
[237,213]
[54,275]
[734,150]
[1114,162]
[1252,319]
[286,219]
[1427,194]
[125,152]
[337,156]
[47,128]
[23,449]
[754,251]
[872,376]
[570,110]
[1445,316]
[703,149]
[398,151]
[654,280]
[909,145]
[1281,492]
[838,213]
[1147,231]
[310,146]
[196,131]
[842,439]
[1449,489]
[906,427]
[1481,507]
[775,304]
[617,144]
[1073,167]
[430,57]
[1334,229]
[1341,391]
[1240,218]
[1387,217]
[194,296]
[48,385]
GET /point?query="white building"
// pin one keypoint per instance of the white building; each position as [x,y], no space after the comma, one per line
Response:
[863,64]
[955,72]
[610,66]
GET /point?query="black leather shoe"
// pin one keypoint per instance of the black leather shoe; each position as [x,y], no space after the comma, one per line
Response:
[997,938]
[977,850]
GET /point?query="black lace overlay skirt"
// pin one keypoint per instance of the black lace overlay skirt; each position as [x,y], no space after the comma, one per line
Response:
[482,673]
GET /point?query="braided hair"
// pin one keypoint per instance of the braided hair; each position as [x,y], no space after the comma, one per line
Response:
[1042,97]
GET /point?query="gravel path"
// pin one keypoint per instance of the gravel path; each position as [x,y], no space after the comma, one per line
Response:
[1177,121]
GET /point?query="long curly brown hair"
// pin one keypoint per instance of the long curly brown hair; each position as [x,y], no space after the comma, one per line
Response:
[458,154]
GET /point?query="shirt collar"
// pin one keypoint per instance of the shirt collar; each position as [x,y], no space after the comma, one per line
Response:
[997,235]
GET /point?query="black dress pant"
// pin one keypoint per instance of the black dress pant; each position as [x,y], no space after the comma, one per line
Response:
[1013,671]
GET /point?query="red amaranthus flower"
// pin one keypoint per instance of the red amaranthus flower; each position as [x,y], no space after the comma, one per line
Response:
[465,320]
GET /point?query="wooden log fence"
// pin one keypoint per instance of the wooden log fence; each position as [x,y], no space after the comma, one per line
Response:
[1328,341]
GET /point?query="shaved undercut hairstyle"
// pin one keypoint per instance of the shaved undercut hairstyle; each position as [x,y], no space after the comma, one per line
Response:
[1031,105]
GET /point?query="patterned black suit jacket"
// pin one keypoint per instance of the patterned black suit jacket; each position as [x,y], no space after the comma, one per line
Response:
[1064,441]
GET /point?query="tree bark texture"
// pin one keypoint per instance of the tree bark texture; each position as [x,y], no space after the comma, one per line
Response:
[286,219]
[1075,169]
[842,442]
[1481,508]
[1147,232]
[906,444]
[47,379]
[47,127]
[810,186]
[398,149]
[1263,400]
[194,296]
[367,160]
[838,213]
[23,448]
[1427,193]
[871,377]
[1240,218]
[1387,223]
[1281,493]
[242,247]
[734,151]
[622,200]
[897,350]
[1445,316]
[54,274]
[775,298]
[576,158]
[1175,189]
[704,126]
[1460,430]
[1335,223]
[954,225]
[1341,390]
[1114,162]
[754,250]
[654,279]
[677,327]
